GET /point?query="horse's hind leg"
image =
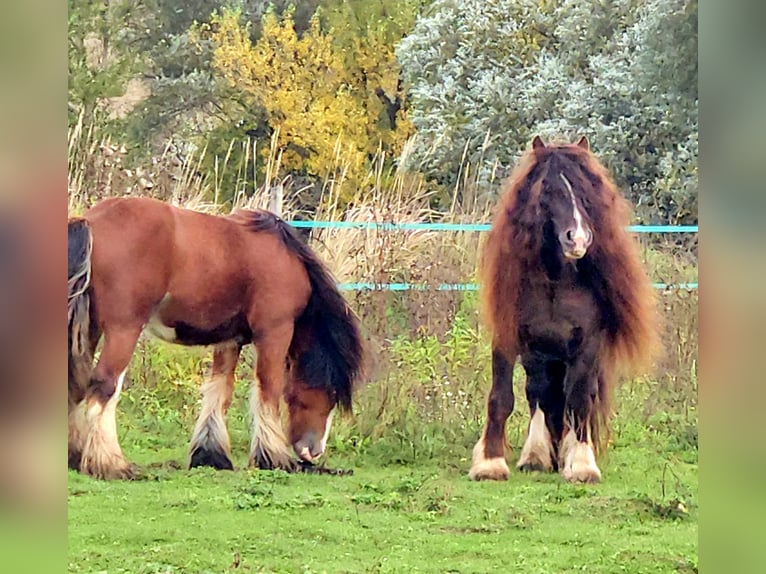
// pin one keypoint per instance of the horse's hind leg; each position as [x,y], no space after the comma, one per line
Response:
[101,455]
[576,456]
[210,441]
[80,371]
[489,453]
[269,449]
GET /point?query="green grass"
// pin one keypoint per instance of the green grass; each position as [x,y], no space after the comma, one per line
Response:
[424,517]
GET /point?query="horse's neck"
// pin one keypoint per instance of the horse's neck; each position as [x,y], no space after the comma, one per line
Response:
[555,267]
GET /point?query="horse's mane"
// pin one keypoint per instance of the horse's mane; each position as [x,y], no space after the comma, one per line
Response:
[513,246]
[335,358]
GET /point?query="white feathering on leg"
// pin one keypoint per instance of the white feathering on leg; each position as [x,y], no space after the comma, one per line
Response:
[268,437]
[537,453]
[210,431]
[483,468]
[102,456]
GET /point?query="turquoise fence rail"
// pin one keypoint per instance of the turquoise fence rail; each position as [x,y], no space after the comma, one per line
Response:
[461,226]
[463,286]
[464,227]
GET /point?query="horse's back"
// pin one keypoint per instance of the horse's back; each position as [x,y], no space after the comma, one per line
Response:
[194,267]
[237,261]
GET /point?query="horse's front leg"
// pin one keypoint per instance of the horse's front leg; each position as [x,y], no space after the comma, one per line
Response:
[210,445]
[269,448]
[577,460]
[545,396]
[489,453]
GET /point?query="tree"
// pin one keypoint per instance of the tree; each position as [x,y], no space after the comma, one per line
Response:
[486,75]
[331,94]
[99,53]
[187,101]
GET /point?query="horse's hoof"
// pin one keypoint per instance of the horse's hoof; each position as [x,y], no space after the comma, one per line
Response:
[489,469]
[215,458]
[580,465]
[536,455]
[124,471]
[75,459]
[534,466]
[263,461]
[535,458]
[483,468]
[583,475]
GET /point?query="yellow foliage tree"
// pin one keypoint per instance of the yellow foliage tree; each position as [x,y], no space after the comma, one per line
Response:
[322,98]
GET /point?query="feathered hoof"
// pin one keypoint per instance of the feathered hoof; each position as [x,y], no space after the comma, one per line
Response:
[215,458]
[490,469]
[580,465]
[532,465]
[537,454]
[483,468]
[582,475]
[108,468]
[75,458]
[264,460]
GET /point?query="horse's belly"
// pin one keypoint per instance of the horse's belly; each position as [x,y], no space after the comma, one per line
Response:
[169,323]
[156,328]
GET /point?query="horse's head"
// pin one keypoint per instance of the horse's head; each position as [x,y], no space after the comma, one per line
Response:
[310,413]
[567,222]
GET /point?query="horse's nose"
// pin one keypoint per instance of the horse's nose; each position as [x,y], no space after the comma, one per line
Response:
[309,448]
[305,454]
[317,451]
[575,241]
[310,454]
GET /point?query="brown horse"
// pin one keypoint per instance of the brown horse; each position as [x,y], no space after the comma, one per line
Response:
[197,279]
[564,289]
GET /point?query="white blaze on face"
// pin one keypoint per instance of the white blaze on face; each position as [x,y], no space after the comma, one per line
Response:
[327,426]
[580,238]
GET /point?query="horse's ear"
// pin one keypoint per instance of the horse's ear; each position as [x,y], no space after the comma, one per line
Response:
[584,144]
[537,143]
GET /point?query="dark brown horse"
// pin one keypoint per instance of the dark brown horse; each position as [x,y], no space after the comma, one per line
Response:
[563,287]
[197,279]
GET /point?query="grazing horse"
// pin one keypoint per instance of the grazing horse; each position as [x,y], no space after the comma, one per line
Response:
[190,278]
[563,289]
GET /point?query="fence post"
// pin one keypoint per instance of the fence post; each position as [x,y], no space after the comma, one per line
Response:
[276,193]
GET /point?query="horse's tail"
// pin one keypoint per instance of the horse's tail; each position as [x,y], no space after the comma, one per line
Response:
[80,243]
[327,350]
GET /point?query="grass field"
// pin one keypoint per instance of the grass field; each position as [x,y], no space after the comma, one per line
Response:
[424,518]
[408,507]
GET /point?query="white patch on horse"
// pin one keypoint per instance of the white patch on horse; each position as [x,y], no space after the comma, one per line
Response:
[580,234]
[268,438]
[101,453]
[578,460]
[483,468]
[537,451]
[210,431]
[327,425]
[157,328]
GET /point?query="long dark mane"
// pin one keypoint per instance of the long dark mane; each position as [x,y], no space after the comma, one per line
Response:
[336,358]
[613,263]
